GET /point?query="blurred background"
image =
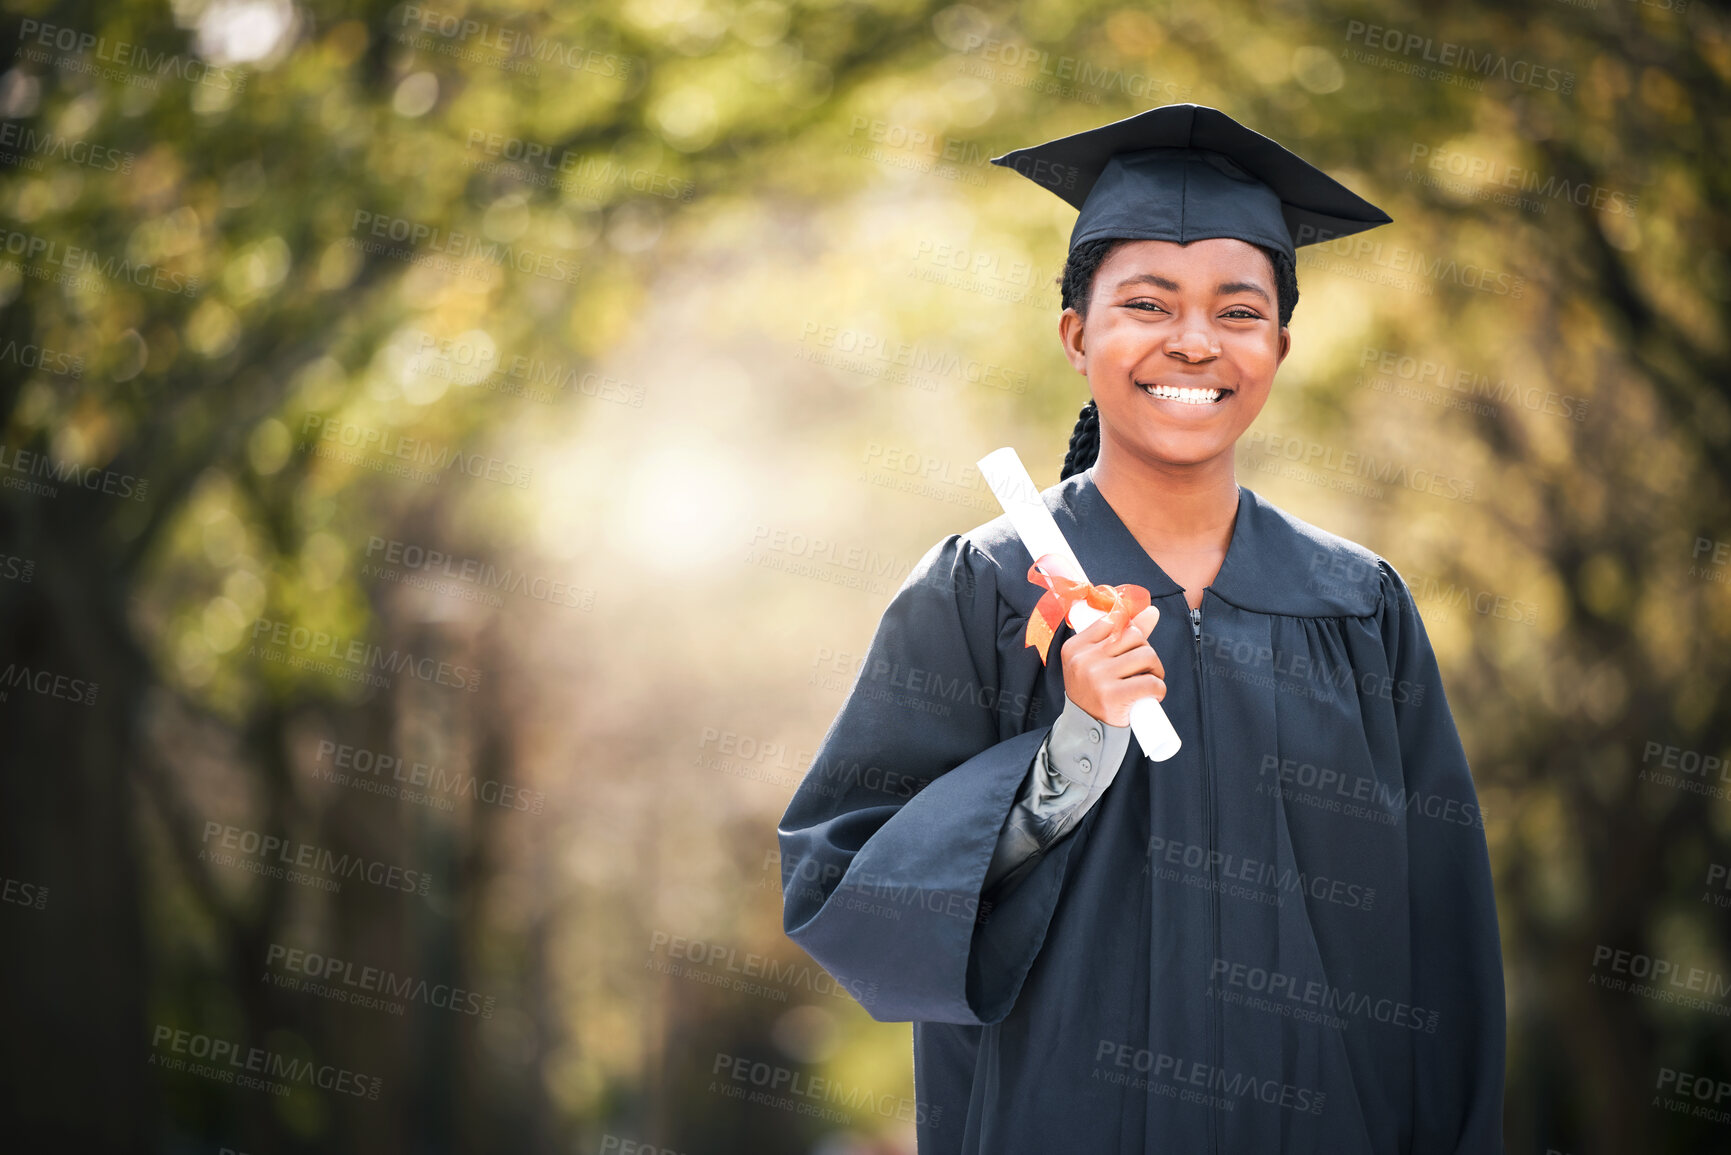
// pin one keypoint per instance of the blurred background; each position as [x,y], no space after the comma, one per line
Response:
[454,456]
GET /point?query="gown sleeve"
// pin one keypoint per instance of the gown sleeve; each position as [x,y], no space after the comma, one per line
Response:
[886,842]
[1456,946]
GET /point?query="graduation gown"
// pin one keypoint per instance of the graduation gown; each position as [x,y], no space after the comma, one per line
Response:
[1283,939]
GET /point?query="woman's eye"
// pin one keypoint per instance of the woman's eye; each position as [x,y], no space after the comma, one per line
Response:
[1146,305]
[1242,314]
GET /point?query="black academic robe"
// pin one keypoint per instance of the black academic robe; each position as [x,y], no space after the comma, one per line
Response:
[1283,939]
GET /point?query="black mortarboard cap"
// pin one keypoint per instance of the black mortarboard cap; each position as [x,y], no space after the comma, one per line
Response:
[1185,172]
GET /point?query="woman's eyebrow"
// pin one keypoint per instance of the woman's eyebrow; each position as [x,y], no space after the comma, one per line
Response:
[1226,287]
[1150,279]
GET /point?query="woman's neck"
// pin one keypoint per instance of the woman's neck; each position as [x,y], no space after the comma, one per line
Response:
[1182,515]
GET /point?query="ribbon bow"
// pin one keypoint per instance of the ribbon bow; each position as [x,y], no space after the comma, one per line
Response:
[1121,603]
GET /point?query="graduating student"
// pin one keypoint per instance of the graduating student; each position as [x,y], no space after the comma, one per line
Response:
[1282,939]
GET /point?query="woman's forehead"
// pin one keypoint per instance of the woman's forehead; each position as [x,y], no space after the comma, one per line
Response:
[1186,262]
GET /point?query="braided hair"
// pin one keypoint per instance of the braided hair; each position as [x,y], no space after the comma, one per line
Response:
[1076,285]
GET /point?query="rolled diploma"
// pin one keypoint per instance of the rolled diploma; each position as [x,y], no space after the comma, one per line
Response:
[1014,489]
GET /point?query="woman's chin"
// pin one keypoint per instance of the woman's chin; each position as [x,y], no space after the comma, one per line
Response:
[1180,449]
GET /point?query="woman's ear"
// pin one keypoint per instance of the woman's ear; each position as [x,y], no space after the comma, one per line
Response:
[1070,334]
[1285,345]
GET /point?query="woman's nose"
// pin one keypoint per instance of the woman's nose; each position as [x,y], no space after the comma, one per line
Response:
[1193,345]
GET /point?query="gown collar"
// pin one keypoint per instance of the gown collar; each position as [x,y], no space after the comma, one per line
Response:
[1275,562]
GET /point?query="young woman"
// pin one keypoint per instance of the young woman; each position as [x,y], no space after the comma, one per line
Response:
[1282,939]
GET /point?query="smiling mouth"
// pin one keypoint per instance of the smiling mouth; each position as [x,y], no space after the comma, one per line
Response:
[1189,396]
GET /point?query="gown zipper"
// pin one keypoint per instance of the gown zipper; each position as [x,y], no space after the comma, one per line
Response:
[1213,892]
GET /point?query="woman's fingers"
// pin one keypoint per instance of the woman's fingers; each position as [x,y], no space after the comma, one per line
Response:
[1096,633]
[1149,686]
[1083,644]
[1142,660]
[1135,636]
[1140,629]
[1141,686]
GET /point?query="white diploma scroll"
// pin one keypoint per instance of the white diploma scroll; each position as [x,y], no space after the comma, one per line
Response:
[1015,491]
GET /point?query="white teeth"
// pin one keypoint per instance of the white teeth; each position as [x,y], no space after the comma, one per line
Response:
[1173,393]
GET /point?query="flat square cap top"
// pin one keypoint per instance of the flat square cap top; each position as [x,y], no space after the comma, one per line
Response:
[1186,172]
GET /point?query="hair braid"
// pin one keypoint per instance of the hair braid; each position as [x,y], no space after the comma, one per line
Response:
[1084,441]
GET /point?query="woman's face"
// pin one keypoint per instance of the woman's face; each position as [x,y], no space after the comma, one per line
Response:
[1166,325]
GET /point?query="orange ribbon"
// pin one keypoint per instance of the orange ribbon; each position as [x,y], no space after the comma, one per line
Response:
[1121,603]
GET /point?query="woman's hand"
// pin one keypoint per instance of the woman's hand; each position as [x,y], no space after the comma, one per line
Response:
[1106,675]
